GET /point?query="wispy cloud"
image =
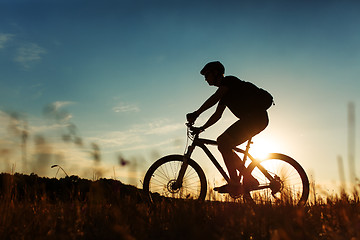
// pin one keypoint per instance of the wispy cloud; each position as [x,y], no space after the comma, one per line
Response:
[4,121]
[164,129]
[125,107]
[4,38]
[29,53]
[26,53]
[118,139]
[157,127]
[46,146]
[55,111]
[137,136]
[150,145]
[45,128]
[60,104]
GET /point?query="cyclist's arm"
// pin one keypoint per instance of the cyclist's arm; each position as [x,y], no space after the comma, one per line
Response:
[212,100]
[215,117]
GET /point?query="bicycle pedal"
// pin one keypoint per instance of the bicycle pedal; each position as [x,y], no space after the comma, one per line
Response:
[222,189]
[232,190]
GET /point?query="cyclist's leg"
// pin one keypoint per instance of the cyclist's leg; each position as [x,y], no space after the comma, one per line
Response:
[231,159]
[236,134]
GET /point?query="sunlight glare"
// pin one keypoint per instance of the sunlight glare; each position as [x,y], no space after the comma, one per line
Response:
[262,146]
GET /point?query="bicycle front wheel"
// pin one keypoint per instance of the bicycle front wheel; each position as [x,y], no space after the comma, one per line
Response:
[162,175]
[290,184]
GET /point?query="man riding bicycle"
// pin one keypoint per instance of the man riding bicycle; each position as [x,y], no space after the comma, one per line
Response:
[240,97]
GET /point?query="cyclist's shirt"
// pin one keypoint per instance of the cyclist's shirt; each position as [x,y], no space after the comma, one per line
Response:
[240,96]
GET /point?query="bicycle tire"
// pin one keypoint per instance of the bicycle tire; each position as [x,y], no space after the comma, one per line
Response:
[164,172]
[293,183]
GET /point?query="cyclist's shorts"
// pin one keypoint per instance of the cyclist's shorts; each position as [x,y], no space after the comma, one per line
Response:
[247,127]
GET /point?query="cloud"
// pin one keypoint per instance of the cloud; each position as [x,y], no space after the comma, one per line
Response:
[137,137]
[60,104]
[152,145]
[4,122]
[158,127]
[45,128]
[55,111]
[118,139]
[26,53]
[165,129]
[29,53]
[3,116]
[4,38]
[123,107]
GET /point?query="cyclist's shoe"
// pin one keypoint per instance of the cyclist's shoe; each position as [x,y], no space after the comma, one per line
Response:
[222,189]
[250,183]
[233,189]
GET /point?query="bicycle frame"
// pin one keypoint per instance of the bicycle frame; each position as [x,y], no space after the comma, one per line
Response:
[201,142]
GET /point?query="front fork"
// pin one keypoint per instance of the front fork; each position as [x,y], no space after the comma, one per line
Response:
[184,165]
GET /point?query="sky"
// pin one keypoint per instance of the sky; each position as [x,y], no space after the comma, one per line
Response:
[102,88]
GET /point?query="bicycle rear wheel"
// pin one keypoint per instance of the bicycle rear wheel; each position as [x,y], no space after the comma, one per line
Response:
[290,184]
[162,175]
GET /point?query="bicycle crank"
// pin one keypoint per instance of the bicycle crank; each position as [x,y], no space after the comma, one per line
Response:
[276,185]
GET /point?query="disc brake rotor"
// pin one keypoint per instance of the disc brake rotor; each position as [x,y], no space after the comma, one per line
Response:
[171,186]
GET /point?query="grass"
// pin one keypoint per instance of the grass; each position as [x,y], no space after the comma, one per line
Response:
[72,208]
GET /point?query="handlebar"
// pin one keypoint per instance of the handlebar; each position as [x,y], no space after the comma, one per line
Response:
[193,130]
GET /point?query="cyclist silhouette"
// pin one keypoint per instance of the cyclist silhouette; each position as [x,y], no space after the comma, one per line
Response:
[240,97]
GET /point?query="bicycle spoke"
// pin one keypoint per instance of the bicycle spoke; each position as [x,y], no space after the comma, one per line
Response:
[164,177]
[288,185]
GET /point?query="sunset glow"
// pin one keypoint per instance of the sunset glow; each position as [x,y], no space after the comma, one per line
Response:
[262,146]
[116,78]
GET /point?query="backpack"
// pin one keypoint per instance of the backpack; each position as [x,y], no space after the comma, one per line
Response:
[264,100]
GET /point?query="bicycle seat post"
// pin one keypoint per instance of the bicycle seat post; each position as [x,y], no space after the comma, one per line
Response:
[247,149]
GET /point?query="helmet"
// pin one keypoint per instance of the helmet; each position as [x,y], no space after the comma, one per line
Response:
[213,66]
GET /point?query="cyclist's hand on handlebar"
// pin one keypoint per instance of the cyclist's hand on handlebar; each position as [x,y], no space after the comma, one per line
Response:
[196,130]
[191,117]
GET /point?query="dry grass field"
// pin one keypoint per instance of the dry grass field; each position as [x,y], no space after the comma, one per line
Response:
[32,207]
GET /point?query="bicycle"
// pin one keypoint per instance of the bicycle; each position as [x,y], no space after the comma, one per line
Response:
[281,178]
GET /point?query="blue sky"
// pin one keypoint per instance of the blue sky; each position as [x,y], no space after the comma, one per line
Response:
[125,73]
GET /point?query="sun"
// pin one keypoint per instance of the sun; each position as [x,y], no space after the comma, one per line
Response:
[262,146]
